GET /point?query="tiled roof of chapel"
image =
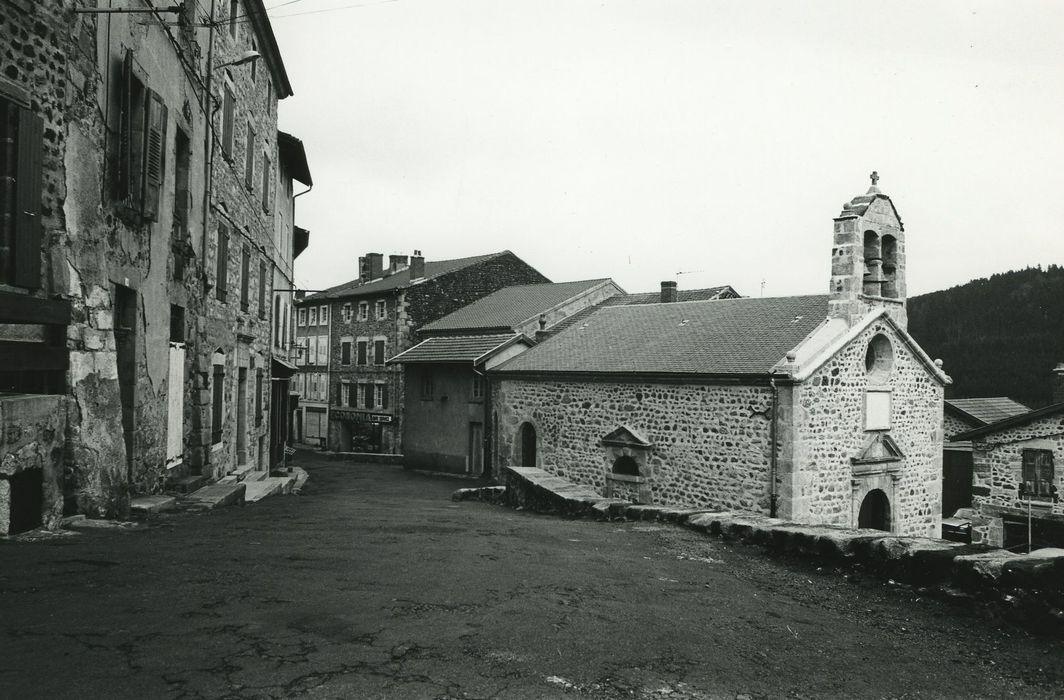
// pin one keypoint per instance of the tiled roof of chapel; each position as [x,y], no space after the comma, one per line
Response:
[724,337]
[510,306]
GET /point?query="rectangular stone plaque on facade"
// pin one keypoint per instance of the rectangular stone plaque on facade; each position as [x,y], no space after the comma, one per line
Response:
[877,410]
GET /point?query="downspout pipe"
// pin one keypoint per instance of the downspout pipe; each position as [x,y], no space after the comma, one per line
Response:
[773,497]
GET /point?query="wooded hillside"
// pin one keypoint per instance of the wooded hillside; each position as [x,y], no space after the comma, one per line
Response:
[1000,336]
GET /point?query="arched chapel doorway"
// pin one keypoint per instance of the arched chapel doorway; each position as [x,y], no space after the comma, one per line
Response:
[527,441]
[875,511]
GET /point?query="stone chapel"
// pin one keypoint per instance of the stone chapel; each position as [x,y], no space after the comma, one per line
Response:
[816,409]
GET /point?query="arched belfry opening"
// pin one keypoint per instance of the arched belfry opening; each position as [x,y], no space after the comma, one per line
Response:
[873,264]
[889,249]
[875,511]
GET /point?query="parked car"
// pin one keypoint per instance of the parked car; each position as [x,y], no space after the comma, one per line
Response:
[958,528]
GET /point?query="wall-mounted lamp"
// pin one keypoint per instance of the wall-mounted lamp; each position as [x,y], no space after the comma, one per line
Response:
[246,57]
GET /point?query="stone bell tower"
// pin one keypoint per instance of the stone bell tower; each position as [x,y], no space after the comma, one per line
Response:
[868,258]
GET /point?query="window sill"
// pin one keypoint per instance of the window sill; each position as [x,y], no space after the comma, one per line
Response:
[627,478]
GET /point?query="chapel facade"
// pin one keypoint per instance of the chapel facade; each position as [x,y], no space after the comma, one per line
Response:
[815,409]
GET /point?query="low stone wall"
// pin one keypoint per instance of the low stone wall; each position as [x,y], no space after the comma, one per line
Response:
[1031,585]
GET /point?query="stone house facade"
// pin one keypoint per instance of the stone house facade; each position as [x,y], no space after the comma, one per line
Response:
[448,402]
[137,293]
[817,409]
[377,316]
[1018,476]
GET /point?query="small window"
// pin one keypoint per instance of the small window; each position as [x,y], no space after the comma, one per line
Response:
[363,311]
[345,352]
[428,386]
[381,310]
[626,465]
[477,391]
[366,395]
[313,316]
[378,352]
[361,352]
[262,297]
[234,12]
[323,315]
[1038,477]
[347,313]
[301,317]
[217,398]
[323,349]
[378,399]
[345,394]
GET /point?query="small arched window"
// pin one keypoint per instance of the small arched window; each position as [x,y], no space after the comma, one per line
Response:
[626,465]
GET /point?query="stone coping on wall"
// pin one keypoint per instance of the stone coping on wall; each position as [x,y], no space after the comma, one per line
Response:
[1032,584]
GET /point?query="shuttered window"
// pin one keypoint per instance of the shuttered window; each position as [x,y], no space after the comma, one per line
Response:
[266,174]
[221,277]
[378,352]
[258,397]
[20,195]
[345,352]
[361,347]
[140,160]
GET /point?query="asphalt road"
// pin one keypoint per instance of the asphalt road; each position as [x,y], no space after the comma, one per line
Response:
[373,584]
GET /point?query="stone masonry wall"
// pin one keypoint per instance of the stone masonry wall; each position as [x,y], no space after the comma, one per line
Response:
[952,425]
[998,469]
[33,436]
[711,443]
[829,431]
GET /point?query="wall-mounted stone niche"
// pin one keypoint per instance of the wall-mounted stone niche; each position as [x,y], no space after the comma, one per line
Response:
[32,437]
[627,474]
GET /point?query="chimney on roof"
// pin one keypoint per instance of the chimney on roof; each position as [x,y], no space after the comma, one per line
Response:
[1058,383]
[417,265]
[397,262]
[370,266]
[668,291]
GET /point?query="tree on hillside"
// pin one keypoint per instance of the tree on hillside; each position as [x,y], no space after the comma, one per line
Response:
[1000,336]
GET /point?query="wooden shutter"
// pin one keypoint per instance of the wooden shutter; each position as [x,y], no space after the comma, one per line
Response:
[262,297]
[154,155]
[222,275]
[384,396]
[249,161]
[123,183]
[28,201]
[245,268]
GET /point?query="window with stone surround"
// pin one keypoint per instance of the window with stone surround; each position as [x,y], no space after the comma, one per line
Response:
[381,310]
[249,158]
[221,273]
[345,393]
[1038,476]
[313,316]
[379,345]
[228,115]
[363,311]
[347,313]
[361,351]
[345,352]
[323,316]
[301,317]
[381,398]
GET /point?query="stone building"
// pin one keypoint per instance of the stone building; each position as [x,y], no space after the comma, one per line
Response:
[136,222]
[818,409]
[374,317]
[961,415]
[448,401]
[1017,479]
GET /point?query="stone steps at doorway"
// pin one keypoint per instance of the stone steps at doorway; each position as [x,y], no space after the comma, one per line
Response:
[270,486]
[215,496]
[187,484]
[244,473]
[152,504]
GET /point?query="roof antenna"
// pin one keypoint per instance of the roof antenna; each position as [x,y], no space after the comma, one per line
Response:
[762,288]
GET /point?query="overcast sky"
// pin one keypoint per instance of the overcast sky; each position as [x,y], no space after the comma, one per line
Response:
[639,139]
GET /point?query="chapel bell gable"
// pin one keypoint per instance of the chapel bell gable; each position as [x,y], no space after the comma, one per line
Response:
[868,258]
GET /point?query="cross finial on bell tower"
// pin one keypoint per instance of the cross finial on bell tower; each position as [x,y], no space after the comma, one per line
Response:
[874,177]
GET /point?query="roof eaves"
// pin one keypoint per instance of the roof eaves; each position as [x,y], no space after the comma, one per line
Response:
[260,22]
[517,338]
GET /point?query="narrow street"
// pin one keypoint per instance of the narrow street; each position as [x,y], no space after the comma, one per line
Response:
[373,584]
